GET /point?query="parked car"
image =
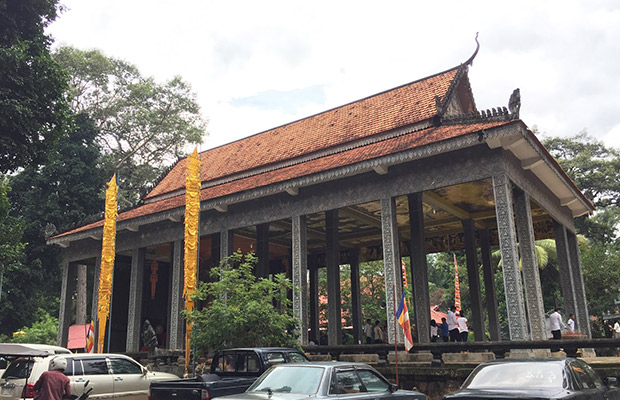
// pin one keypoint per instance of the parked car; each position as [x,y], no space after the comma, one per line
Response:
[232,371]
[19,363]
[324,380]
[109,375]
[536,379]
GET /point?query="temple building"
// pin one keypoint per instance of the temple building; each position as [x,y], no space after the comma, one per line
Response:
[407,172]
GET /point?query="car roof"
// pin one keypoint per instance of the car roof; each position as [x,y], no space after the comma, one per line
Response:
[522,360]
[49,349]
[93,355]
[326,364]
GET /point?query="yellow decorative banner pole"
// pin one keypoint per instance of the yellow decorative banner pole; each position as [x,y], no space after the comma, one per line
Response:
[108,254]
[192,237]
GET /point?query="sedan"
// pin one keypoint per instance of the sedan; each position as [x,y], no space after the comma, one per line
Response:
[536,379]
[333,380]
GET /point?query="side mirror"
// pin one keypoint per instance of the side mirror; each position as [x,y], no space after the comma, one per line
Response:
[393,387]
[611,381]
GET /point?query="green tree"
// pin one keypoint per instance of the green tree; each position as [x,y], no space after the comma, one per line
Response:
[144,126]
[33,107]
[243,310]
[11,232]
[59,194]
[43,331]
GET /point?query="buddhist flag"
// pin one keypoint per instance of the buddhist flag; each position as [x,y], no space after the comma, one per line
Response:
[402,314]
[90,338]
[192,238]
[457,289]
[108,253]
[404,272]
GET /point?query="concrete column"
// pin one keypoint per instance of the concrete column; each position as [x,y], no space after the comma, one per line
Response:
[176,337]
[300,272]
[565,267]
[334,312]
[134,315]
[419,269]
[391,265]
[314,299]
[517,320]
[95,298]
[356,306]
[80,303]
[226,244]
[581,312]
[529,265]
[66,302]
[489,285]
[262,250]
[475,298]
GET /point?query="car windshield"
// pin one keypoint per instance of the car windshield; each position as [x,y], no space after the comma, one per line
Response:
[517,375]
[19,369]
[297,379]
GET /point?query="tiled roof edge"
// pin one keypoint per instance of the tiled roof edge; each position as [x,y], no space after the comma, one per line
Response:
[306,157]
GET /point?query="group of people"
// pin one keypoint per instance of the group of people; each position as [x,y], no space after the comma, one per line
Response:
[453,328]
[556,325]
[375,333]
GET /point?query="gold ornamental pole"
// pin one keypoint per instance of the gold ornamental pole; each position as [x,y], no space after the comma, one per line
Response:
[107,260]
[192,237]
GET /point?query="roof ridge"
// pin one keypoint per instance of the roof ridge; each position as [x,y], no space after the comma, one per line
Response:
[335,108]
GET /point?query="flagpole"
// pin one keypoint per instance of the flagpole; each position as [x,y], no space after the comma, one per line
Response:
[395,340]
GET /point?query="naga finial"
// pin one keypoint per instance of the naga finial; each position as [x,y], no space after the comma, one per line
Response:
[471,59]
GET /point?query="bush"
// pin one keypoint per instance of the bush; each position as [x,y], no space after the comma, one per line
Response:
[242,310]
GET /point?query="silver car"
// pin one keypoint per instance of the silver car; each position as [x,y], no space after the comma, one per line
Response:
[328,380]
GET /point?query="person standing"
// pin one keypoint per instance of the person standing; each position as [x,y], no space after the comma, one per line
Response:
[617,330]
[555,324]
[454,331]
[434,331]
[443,328]
[53,384]
[378,330]
[368,331]
[462,326]
[570,324]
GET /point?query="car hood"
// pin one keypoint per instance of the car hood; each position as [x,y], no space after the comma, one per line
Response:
[266,396]
[530,393]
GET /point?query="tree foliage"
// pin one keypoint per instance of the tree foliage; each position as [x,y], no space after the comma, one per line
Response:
[144,126]
[43,331]
[58,194]
[242,310]
[33,107]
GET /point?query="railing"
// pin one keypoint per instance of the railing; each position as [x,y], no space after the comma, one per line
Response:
[570,347]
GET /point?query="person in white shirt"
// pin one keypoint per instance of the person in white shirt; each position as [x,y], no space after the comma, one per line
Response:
[462,326]
[378,332]
[570,324]
[617,330]
[555,324]
[451,319]
[368,331]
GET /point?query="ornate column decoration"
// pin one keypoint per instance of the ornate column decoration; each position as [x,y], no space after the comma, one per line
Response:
[192,216]
[517,321]
[134,312]
[106,274]
[529,262]
[300,273]
[391,265]
[565,267]
[581,312]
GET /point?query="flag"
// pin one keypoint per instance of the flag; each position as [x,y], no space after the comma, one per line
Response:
[404,272]
[90,338]
[402,314]
[457,289]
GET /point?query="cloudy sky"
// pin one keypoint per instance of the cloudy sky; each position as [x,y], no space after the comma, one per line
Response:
[255,65]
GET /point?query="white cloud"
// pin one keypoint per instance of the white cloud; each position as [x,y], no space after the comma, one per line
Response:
[564,55]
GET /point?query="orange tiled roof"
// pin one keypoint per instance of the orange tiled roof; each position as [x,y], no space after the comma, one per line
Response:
[402,106]
[348,157]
